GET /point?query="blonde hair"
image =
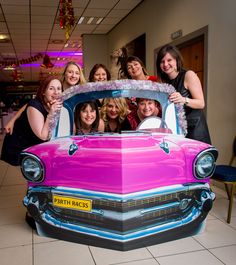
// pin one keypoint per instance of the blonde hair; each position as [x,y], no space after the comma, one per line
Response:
[82,79]
[122,107]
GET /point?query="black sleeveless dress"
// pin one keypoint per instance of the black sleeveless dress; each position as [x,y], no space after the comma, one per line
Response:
[196,121]
[22,136]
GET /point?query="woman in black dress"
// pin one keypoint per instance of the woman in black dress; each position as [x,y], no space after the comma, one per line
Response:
[188,91]
[33,125]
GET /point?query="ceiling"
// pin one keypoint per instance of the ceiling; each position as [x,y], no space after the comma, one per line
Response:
[32,43]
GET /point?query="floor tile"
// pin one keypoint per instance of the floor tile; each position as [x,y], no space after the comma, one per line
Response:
[12,215]
[217,234]
[220,208]
[42,239]
[226,254]
[13,190]
[220,192]
[113,256]
[233,222]
[139,262]
[183,245]
[13,177]
[15,235]
[11,201]
[194,258]
[62,253]
[16,255]
[210,217]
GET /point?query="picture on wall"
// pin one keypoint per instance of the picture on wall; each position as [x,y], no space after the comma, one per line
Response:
[136,47]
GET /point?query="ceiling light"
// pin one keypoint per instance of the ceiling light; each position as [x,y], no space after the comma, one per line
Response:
[90,20]
[99,20]
[80,20]
[3,37]
[77,53]
[9,68]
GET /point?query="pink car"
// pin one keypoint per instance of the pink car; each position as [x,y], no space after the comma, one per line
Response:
[120,191]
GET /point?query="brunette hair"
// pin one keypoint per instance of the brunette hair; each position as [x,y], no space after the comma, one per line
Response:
[43,87]
[94,70]
[136,59]
[82,79]
[82,106]
[138,100]
[175,53]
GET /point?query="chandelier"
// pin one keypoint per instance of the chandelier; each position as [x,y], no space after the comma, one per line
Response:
[66,16]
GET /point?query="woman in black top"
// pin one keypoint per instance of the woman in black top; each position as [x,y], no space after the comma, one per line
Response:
[188,91]
[33,125]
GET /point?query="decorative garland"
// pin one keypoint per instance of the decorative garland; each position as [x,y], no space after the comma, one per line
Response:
[125,84]
[16,63]
[66,16]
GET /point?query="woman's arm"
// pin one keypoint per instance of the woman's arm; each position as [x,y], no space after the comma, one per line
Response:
[36,120]
[10,125]
[193,84]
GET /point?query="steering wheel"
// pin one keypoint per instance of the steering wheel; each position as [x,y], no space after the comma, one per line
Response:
[154,124]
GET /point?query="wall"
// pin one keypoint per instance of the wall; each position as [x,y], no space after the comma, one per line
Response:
[95,51]
[159,18]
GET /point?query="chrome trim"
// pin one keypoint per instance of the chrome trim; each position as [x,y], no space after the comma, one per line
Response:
[119,197]
[214,153]
[146,231]
[140,232]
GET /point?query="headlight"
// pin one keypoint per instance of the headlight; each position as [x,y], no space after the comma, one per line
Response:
[204,164]
[32,169]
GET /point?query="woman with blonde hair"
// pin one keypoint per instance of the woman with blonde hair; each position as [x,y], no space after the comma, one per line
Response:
[114,112]
[72,75]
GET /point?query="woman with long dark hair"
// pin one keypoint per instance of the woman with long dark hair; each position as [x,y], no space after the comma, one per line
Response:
[189,91]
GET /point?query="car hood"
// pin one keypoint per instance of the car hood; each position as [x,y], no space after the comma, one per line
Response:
[119,163]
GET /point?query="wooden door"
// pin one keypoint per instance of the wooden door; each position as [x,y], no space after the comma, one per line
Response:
[193,56]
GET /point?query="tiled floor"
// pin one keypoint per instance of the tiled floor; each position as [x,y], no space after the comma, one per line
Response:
[22,246]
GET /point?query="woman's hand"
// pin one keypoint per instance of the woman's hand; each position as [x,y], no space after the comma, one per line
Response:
[176,97]
[9,126]
[55,106]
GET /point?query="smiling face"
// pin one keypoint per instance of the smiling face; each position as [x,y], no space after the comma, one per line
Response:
[146,108]
[100,75]
[53,90]
[72,75]
[135,70]
[87,116]
[168,65]
[112,110]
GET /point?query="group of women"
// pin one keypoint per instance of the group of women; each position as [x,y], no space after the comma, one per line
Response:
[31,123]
[31,126]
[115,114]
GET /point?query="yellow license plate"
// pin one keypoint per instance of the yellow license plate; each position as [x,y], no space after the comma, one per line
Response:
[72,203]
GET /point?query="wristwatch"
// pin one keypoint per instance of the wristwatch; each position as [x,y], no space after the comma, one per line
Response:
[186,101]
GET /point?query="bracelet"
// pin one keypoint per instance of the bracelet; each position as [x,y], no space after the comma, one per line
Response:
[186,101]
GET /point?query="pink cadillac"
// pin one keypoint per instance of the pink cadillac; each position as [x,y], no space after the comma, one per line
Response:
[119,191]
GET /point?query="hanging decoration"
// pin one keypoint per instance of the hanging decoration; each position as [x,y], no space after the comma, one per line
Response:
[15,63]
[47,62]
[17,76]
[66,16]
